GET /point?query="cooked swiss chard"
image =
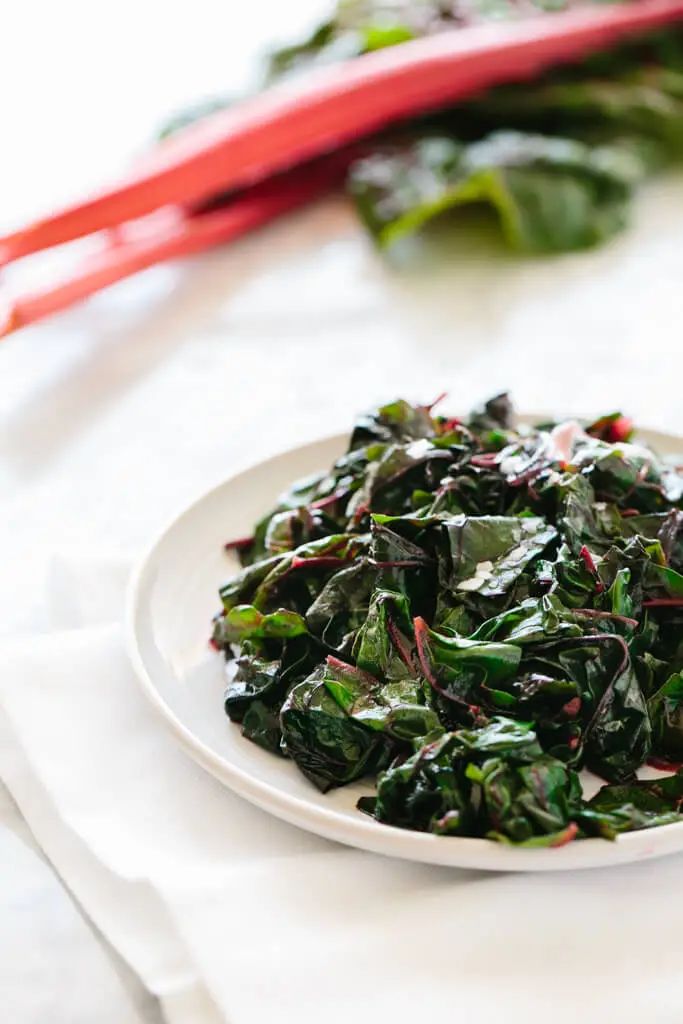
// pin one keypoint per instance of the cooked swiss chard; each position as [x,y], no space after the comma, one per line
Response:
[471,611]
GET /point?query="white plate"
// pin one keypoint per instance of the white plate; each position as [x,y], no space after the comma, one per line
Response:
[172,598]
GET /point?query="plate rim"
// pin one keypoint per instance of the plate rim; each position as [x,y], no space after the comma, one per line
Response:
[365,833]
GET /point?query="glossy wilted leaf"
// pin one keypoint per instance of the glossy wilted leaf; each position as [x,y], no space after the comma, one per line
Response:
[492,781]
[401,709]
[488,553]
[384,643]
[397,422]
[644,804]
[244,622]
[329,747]
[665,708]
[341,606]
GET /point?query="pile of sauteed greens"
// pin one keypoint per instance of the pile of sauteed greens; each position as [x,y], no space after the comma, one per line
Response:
[471,611]
[557,160]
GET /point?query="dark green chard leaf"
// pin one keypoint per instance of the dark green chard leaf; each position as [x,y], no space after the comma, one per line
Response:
[382,645]
[328,746]
[618,738]
[668,529]
[549,193]
[665,708]
[492,781]
[401,469]
[620,601]
[313,508]
[616,727]
[293,581]
[465,673]
[298,497]
[341,606]
[521,801]
[488,553]
[581,524]
[647,103]
[533,621]
[242,587]
[400,709]
[261,725]
[452,619]
[355,27]
[503,737]
[444,574]
[290,528]
[471,490]
[626,474]
[554,704]
[397,422]
[644,804]
[256,678]
[263,674]
[427,792]
[405,567]
[496,414]
[573,581]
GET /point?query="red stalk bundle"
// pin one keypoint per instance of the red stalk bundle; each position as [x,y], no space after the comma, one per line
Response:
[294,122]
[182,236]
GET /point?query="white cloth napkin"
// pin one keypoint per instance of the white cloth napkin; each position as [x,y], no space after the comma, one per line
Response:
[230,915]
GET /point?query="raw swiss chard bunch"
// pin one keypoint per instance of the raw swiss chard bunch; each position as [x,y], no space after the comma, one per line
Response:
[556,161]
[472,611]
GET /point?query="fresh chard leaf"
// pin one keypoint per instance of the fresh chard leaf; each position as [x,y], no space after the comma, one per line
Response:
[355,27]
[647,103]
[549,193]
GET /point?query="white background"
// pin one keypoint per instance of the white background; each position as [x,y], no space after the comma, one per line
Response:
[117,413]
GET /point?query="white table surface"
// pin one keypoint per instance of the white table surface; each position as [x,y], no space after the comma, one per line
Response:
[117,413]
